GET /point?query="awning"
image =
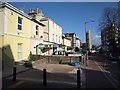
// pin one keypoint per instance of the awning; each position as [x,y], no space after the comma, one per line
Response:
[41,46]
[46,49]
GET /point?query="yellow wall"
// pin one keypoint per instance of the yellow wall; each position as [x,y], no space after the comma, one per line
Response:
[0,33]
[13,23]
[12,47]
[12,39]
[0,20]
[0,47]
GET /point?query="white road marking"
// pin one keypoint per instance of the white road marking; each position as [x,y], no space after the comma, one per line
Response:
[105,75]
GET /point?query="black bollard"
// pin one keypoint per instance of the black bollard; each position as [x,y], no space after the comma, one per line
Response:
[44,77]
[14,74]
[78,79]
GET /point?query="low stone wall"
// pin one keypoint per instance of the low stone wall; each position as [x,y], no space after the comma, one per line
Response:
[57,59]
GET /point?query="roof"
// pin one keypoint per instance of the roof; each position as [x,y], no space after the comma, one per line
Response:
[38,22]
[66,38]
[69,33]
[4,4]
[77,38]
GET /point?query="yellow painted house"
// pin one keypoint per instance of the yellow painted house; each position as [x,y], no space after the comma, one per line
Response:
[14,34]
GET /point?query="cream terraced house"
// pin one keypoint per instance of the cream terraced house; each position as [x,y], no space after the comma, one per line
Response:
[52,32]
[78,42]
[15,34]
[66,42]
[36,37]
[20,34]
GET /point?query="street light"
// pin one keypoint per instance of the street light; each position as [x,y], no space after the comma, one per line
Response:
[86,38]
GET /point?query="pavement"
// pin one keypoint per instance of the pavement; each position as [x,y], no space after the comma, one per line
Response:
[8,71]
[58,76]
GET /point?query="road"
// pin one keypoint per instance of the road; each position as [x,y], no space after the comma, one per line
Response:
[59,77]
[96,76]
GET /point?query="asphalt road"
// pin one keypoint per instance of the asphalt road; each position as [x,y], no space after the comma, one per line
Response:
[96,77]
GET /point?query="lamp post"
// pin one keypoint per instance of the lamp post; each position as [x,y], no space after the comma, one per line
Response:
[86,39]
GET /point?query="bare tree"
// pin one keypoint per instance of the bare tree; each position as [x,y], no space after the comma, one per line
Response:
[110,15]
[108,26]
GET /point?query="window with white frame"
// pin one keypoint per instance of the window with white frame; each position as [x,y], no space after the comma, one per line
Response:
[59,39]
[56,38]
[19,51]
[19,23]
[53,37]
[37,30]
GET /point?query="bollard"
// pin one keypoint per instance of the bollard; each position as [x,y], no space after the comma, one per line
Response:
[44,77]
[14,74]
[78,79]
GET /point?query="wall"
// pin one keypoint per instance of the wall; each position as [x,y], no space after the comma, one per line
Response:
[1,24]
[12,36]
[36,39]
[1,47]
[67,42]
[45,31]
[0,34]
[13,41]
[78,43]
[56,30]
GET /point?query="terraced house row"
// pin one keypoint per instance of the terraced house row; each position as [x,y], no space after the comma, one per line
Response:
[22,34]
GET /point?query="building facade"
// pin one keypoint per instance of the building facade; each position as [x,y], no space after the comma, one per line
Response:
[36,40]
[52,32]
[72,37]
[14,34]
[66,43]
[88,40]
[78,42]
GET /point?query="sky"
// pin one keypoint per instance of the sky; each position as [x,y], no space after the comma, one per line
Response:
[71,16]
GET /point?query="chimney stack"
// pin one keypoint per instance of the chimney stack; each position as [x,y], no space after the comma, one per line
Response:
[32,10]
[21,9]
[39,12]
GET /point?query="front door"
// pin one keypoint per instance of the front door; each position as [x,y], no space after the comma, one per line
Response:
[19,51]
